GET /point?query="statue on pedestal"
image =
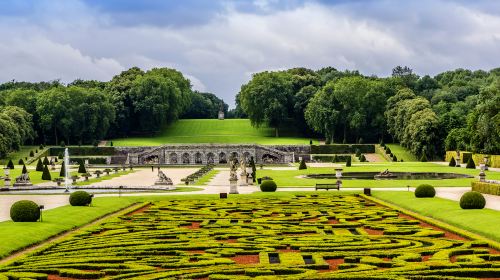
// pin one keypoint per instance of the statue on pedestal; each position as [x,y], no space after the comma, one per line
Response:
[23,180]
[243,174]
[233,177]
[163,180]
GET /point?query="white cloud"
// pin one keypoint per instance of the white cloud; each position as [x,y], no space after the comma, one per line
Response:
[218,56]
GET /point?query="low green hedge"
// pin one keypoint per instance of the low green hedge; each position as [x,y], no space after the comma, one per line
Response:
[92,160]
[342,149]
[487,188]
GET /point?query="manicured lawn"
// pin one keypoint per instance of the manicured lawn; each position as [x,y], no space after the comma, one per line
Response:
[308,236]
[292,178]
[21,154]
[35,176]
[104,177]
[483,222]
[207,177]
[214,131]
[402,153]
[15,236]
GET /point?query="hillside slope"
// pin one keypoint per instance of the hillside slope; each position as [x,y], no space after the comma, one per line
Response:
[214,131]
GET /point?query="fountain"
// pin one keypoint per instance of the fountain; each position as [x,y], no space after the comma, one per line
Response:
[66,170]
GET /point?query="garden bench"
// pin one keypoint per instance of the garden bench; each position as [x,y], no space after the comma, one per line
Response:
[327,186]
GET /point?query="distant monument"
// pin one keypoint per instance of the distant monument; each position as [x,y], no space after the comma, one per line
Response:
[23,181]
[221,111]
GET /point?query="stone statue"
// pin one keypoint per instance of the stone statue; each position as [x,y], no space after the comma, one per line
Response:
[25,177]
[23,181]
[233,168]
[163,179]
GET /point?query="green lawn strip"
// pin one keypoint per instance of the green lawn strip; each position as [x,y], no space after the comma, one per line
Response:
[16,236]
[207,177]
[402,152]
[291,178]
[103,177]
[215,131]
[380,151]
[483,222]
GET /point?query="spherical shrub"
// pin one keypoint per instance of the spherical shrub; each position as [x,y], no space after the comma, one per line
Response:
[425,190]
[25,211]
[80,198]
[268,186]
[472,200]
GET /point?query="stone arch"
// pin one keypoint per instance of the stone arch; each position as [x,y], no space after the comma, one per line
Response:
[210,158]
[222,157]
[234,156]
[197,158]
[173,158]
[151,159]
[186,158]
[246,156]
[268,158]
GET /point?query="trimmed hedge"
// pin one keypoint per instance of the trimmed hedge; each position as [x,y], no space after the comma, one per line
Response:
[425,190]
[487,188]
[336,158]
[80,198]
[472,200]
[92,160]
[342,148]
[24,211]
[84,151]
[302,164]
[268,186]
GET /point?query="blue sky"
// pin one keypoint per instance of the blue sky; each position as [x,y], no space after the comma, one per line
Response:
[219,44]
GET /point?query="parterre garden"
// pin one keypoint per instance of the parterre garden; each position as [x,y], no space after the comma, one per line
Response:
[298,237]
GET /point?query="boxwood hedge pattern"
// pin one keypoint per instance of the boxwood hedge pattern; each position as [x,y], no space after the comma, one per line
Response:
[304,237]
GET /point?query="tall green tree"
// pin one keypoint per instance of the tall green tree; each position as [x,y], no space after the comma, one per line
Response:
[266,99]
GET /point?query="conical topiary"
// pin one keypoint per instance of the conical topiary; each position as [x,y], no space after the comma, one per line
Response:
[394,158]
[32,154]
[423,158]
[362,158]
[39,165]
[24,169]
[46,161]
[62,173]
[348,162]
[46,174]
[452,163]
[302,164]
[20,162]
[471,164]
[388,150]
[254,169]
[81,168]
[10,164]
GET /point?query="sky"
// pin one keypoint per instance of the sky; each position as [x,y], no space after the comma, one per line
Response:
[219,44]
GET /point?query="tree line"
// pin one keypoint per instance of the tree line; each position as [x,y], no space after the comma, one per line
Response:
[134,102]
[454,110]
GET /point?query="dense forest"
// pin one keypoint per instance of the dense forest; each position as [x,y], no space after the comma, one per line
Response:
[453,110]
[134,102]
[457,109]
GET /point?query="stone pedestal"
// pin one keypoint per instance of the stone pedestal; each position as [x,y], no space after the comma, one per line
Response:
[7,182]
[233,186]
[250,180]
[243,180]
[482,176]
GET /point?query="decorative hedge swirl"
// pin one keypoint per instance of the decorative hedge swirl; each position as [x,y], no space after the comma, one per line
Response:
[305,237]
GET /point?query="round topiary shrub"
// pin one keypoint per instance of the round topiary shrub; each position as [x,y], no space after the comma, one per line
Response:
[268,186]
[24,211]
[80,198]
[425,190]
[472,200]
